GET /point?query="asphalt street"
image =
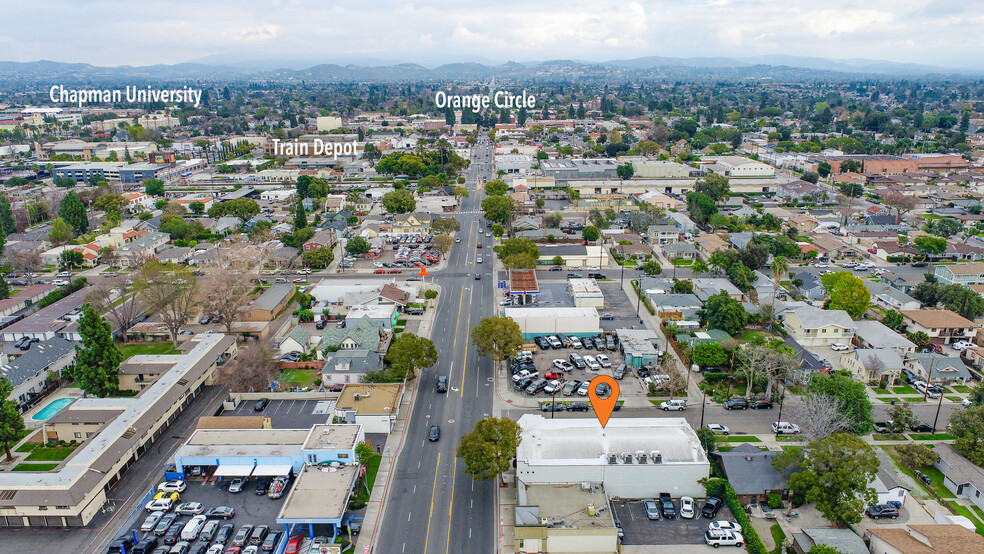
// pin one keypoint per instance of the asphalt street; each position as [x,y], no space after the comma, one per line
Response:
[433,505]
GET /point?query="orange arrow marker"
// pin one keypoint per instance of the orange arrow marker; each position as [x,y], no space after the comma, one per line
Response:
[423,272]
[603,407]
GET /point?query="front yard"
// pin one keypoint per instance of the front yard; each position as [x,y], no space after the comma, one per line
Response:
[156,348]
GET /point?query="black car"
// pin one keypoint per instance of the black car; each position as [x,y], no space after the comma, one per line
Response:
[577,407]
[666,506]
[574,276]
[919,264]
[542,343]
[909,376]
[736,404]
[270,541]
[556,268]
[761,405]
[200,547]
[145,546]
[261,404]
[262,485]
[225,532]
[173,532]
[442,384]
[259,534]
[536,386]
[434,433]
[123,543]
[552,407]
[221,512]
[921,427]
[165,523]
[711,507]
[882,510]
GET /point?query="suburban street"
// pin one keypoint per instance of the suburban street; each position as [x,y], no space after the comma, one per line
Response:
[433,505]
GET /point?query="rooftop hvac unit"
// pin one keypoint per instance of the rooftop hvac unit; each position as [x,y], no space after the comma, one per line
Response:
[656,456]
[356,397]
[612,459]
[626,458]
[585,486]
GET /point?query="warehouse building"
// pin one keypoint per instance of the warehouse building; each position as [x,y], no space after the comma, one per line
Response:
[630,457]
[586,293]
[539,321]
[565,518]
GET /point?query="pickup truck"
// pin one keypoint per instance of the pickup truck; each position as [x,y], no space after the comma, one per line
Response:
[666,505]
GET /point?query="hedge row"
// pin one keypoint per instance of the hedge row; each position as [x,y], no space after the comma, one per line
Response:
[723,489]
[649,306]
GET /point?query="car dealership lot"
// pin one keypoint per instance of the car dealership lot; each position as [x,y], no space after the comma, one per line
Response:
[640,530]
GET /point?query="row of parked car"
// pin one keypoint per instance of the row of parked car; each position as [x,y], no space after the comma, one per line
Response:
[556,342]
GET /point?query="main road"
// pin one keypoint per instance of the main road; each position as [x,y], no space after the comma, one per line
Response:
[432,505]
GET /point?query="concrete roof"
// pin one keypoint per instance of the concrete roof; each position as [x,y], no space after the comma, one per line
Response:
[320,494]
[582,441]
[375,398]
[637,341]
[333,437]
[566,506]
[560,312]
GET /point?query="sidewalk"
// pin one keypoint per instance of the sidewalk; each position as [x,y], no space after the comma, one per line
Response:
[394,445]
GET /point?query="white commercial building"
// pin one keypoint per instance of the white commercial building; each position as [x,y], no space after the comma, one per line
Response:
[329,123]
[587,293]
[535,321]
[631,457]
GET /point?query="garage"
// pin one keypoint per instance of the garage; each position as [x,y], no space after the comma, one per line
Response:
[233,470]
[272,470]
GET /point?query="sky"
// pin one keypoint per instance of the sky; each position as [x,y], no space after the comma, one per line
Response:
[944,33]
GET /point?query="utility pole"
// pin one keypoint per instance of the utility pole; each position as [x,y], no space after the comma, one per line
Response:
[781,400]
[703,402]
[938,406]
[932,360]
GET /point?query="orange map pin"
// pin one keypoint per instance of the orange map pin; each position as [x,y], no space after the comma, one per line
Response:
[603,407]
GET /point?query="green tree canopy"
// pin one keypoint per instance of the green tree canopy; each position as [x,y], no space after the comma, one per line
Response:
[497,337]
[967,426]
[154,187]
[851,396]
[11,421]
[489,448]
[496,188]
[519,253]
[847,292]
[318,257]
[61,232]
[357,246]
[410,353]
[445,225]
[73,211]
[836,477]
[707,354]
[399,202]
[97,359]
[243,208]
[590,233]
[499,209]
[723,312]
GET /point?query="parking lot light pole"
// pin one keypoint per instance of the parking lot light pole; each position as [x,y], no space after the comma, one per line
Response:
[553,403]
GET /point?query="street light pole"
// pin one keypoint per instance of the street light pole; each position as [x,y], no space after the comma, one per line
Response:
[621,280]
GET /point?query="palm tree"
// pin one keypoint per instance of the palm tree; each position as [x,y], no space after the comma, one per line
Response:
[698,268]
[904,243]
[779,267]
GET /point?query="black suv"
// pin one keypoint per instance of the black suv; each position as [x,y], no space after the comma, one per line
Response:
[760,405]
[736,404]
[666,505]
[542,343]
[711,507]
[442,383]
[577,407]
[882,510]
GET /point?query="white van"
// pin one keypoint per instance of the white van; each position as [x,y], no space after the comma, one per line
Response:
[192,528]
[785,428]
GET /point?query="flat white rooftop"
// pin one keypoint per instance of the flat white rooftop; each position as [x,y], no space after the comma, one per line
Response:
[559,312]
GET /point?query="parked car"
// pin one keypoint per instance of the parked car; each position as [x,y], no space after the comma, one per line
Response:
[221,512]
[193,528]
[838,346]
[760,405]
[237,484]
[673,405]
[165,523]
[738,403]
[159,505]
[562,365]
[208,530]
[173,532]
[552,386]
[882,510]
[536,386]
[608,315]
[271,540]
[151,521]
[583,389]
[652,510]
[603,360]
[921,427]
[686,507]
[666,506]
[577,407]
[619,372]
[592,363]
[711,507]
[723,538]
[551,407]
[189,508]
[258,535]
[724,525]
[785,428]
[718,428]
[225,533]
[294,544]
[175,485]
[261,404]
[242,535]
[576,343]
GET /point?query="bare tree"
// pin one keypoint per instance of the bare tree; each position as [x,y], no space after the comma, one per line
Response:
[901,203]
[224,294]
[252,369]
[778,368]
[752,359]
[172,294]
[27,261]
[820,416]
[119,299]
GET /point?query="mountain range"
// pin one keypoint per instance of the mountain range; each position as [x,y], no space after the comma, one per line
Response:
[233,68]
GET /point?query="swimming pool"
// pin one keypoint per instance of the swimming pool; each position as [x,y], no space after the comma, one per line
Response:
[52,408]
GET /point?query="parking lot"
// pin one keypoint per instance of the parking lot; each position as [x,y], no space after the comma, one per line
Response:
[640,530]
[397,257]
[287,414]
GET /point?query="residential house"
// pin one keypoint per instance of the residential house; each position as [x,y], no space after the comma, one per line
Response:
[942,326]
[679,251]
[417,222]
[874,365]
[937,368]
[811,326]
[801,191]
[297,340]
[675,306]
[960,274]
[891,298]
[903,282]
[324,238]
[923,539]
[384,314]
[874,334]
[833,247]
[810,286]
[962,477]
[809,363]
[705,287]
[269,304]
[364,335]
[392,294]
[752,475]
[764,287]
[138,201]
[348,366]
[842,541]
[527,223]
[886,482]
[682,222]
[143,249]
[708,244]
[663,234]
[177,255]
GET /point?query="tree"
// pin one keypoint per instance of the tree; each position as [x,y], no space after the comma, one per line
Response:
[430,294]
[977,395]
[820,416]
[836,477]
[944,227]
[170,293]
[409,353]
[154,187]
[73,212]
[590,233]
[11,421]
[497,337]
[557,260]
[364,453]
[173,208]
[461,192]
[901,203]
[243,208]
[320,257]
[223,294]
[97,359]
[444,243]
[900,418]
[197,208]
[931,246]
[851,395]
[847,293]
[117,299]
[496,188]
[497,230]
[723,312]
[967,426]
[715,186]
[303,186]
[625,173]
[916,456]
[251,370]
[851,190]
[698,268]
[445,225]
[823,168]
[708,354]
[683,286]
[399,202]
[357,246]
[652,267]
[894,320]
[499,209]
[112,205]
[919,338]
[71,259]
[300,216]
[701,207]
[962,300]
[489,448]
[520,253]
[61,232]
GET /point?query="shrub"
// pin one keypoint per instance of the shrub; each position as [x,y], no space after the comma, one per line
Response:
[723,489]
[774,500]
[715,376]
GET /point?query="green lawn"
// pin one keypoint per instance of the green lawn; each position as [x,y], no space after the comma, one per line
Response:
[50,453]
[371,469]
[132,349]
[961,510]
[932,437]
[879,437]
[28,446]
[741,438]
[954,398]
[961,388]
[778,536]
[905,389]
[298,377]
[935,476]
[34,467]
[879,390]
